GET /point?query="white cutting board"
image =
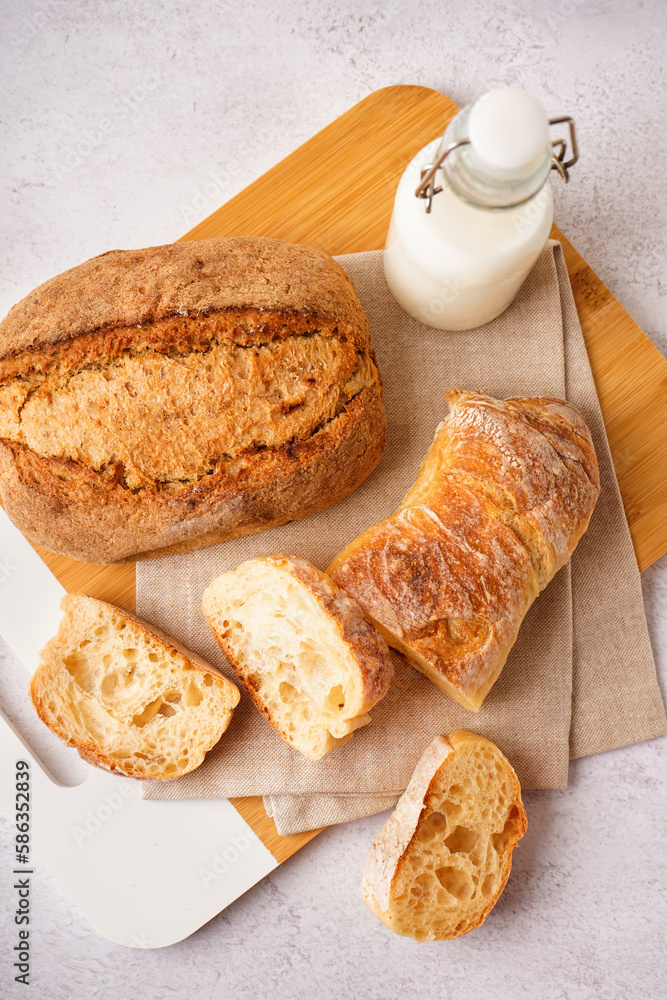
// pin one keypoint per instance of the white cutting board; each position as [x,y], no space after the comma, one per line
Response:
[145,873]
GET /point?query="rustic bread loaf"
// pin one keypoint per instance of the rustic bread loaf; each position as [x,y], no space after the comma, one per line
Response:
[129,698]
[309,659]
[444,856]
[501,500]
[155,401]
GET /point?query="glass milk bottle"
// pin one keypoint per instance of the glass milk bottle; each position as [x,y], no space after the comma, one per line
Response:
[473,211]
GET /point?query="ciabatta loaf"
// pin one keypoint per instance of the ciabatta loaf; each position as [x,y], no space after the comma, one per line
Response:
[154,401]
[129,698]
[503,496]
[444,856]
[311,662]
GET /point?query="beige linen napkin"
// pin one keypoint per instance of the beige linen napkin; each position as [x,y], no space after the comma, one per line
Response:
[535,348]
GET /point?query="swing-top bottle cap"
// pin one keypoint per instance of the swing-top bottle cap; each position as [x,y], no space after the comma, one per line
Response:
[508,129]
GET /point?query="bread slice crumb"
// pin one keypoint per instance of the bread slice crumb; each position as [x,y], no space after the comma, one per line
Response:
[309,659]
[443,857]
[129,698]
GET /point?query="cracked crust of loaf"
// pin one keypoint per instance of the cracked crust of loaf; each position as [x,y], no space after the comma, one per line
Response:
[158,400]
[367,653]
[402,860]
[500,502]
[88,702]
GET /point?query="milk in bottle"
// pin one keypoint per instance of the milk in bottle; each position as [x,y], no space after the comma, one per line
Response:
[456,261]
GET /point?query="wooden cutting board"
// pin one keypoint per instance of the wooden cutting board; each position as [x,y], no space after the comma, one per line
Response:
[336,193]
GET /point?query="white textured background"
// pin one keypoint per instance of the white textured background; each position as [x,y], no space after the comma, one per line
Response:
[123,124]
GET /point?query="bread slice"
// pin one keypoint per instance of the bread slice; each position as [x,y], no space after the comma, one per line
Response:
[311,662]
[129,698]
[443,857]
